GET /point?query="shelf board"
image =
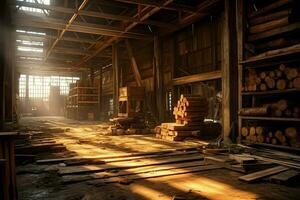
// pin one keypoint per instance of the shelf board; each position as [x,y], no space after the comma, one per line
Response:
[271,118]
[272,92]
[271,54]
[274,32]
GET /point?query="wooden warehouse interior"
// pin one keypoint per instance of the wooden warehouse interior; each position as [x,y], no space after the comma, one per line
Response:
[149,99]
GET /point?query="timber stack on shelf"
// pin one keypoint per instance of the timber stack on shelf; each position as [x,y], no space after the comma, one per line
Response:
[269,112]
[189,114]
[82,101]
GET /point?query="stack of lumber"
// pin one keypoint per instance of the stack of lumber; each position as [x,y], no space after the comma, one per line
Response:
[191,110]
[276,136]
[189,115]
[272,26]
[176,132]
[282,108]
[280,78]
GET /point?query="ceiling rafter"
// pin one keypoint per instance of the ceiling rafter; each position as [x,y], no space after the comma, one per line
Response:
[27,36]
[159,4]
[69,23]
[82,27]
[104,44]
[97,14]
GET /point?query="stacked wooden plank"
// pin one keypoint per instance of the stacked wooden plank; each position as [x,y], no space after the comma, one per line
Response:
[280,78]
[189,115]
[275,136]
[191,110]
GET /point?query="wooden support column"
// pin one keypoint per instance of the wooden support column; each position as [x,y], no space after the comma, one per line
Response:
[115,68]
[134,65]
[240,17]
[159,78]
[100,93]
[229,72]
[5,61]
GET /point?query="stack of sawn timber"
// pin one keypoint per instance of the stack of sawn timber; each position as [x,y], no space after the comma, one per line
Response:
[189,115]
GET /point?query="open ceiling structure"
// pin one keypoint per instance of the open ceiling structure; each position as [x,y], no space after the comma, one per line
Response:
[75,35]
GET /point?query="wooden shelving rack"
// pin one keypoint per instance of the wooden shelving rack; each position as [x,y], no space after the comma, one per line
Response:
[82,103]
[266,61]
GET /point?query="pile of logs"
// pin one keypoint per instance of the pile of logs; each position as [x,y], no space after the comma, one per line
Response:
[282,108]
[259,134]
[190,110]
[279,79]
[269,20]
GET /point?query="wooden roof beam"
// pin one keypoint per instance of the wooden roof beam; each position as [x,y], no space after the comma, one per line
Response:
[106,43]
[96,14]
[159,4]
[68,24]
[31,37]
[57,24]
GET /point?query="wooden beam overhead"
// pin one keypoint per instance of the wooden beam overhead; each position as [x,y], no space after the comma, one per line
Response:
[160,4]
[101,45]
[40,65]
[68,24]
[134,65]
[31,37]
[82,27]
[95,14]
[201,11]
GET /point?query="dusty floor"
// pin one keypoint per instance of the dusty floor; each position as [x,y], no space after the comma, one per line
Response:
[87,139]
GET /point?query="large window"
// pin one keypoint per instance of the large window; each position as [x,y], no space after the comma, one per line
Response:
[30,45]
[22,86]
[35,10]
[39,86]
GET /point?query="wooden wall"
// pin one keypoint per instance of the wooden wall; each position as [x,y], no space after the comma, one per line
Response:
[192,50]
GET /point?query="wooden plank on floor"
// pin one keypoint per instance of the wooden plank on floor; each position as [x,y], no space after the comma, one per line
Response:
[286,177]
[156,174]
[130,171]
[123,155]
[223,161]
[262,174]
[125,165]
[110,160]
[242,159]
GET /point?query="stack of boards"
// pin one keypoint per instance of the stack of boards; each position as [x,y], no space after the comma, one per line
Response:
[176,132]
[189,115]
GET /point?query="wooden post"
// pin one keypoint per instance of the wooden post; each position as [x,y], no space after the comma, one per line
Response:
[6,51]
[172,49]
[134,65]
[100,93]
[240,49]
[229,72]
[161,106]
[115,77]
[8,186]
